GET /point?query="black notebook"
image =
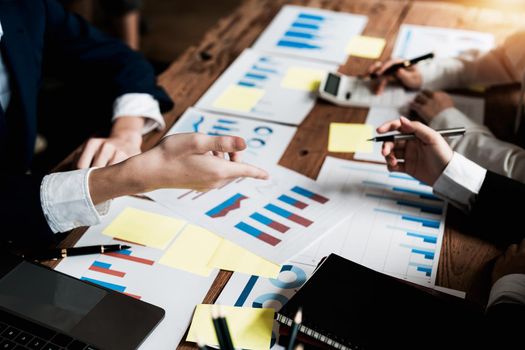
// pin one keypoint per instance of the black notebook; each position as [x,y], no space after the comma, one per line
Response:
[348,306]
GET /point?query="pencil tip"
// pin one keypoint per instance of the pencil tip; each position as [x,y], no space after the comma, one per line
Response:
[214,312]
[299,316]
[372,139]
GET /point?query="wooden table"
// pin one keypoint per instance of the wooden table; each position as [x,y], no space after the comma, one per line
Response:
[463,260]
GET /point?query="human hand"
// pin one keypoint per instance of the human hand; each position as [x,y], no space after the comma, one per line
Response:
[124,141]
[424,157]
[512,261]
[428,104]
[409,77]
[194,161]
[99,152]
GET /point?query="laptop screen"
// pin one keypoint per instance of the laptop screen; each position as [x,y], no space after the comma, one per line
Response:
[50,298]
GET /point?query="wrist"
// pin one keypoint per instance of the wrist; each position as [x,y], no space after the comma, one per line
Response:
[128,128]
[114,181]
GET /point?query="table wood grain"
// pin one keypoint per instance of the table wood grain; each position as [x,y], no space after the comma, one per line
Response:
[464,258]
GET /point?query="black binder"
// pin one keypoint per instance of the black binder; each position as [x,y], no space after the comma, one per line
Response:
[348,306]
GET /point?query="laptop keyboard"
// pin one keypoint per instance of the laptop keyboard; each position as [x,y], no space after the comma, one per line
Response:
[19,334]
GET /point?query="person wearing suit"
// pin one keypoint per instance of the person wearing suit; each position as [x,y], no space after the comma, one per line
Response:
[503,65]
[35,207]
[489,199]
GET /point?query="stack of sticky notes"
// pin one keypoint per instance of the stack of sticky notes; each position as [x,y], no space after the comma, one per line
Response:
[366,46]
[349,137]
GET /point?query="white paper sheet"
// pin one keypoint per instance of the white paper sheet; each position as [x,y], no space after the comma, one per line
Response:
[413,41]
[257,214]
[259,80]
[266,142]
[311,33]
[176,291]
[397,228]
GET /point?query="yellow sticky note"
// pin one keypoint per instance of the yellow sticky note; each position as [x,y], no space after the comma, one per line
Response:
[231,257]
[250,328]
[199,251]
[143,227]
[239,98]
[366,46]
[347,137]
[299,78]
[191,251]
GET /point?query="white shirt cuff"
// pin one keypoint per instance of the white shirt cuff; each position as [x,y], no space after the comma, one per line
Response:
[66,201]
[460,182]
[508,289]
[140,105]
[440,73]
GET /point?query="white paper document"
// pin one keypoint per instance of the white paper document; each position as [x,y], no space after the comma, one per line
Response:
[266,87]
[137,273]
[311,33]
[413,41]
[275,218]
[397,228]
[265,141]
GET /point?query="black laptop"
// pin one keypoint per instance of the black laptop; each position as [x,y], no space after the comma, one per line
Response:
[42,309]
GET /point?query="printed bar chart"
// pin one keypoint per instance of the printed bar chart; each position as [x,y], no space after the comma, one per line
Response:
[423,207]
[103,267]
[309,194]
[271,240]
[311,33]
[227,206]
[269,222]
[423,221]
[112,286]
[288,215]
[127,255]
[292,201]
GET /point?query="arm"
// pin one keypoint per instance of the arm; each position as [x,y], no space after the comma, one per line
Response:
[462,182]
[79,50]
[502,65]
[507,295]
[78,198]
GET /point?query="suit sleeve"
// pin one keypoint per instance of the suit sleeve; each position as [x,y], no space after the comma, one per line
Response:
[497,210]
[23,220]
[503,324]
[80,50]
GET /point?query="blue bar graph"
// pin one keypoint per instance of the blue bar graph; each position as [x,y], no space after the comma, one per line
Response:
[428,254]
[426,238]
[402,176]
[425,208]
[256,76]
[108,285]
[423,221]
[404,190]
[303,25]
[422,268]
[247,84]
[301,35]
[266,70]
[310,16]
[101,264]
[226,121]
[297,45]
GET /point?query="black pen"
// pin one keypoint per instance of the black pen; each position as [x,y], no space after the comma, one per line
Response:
[60,253]
[397,137]
[404,64]
[298,319]
[219,332]
[226,330]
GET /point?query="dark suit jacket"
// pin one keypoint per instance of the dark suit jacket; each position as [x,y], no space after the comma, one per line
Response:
[497,210]
[36,31]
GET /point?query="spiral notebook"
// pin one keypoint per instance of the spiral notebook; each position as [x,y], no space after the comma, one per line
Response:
[348,306]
